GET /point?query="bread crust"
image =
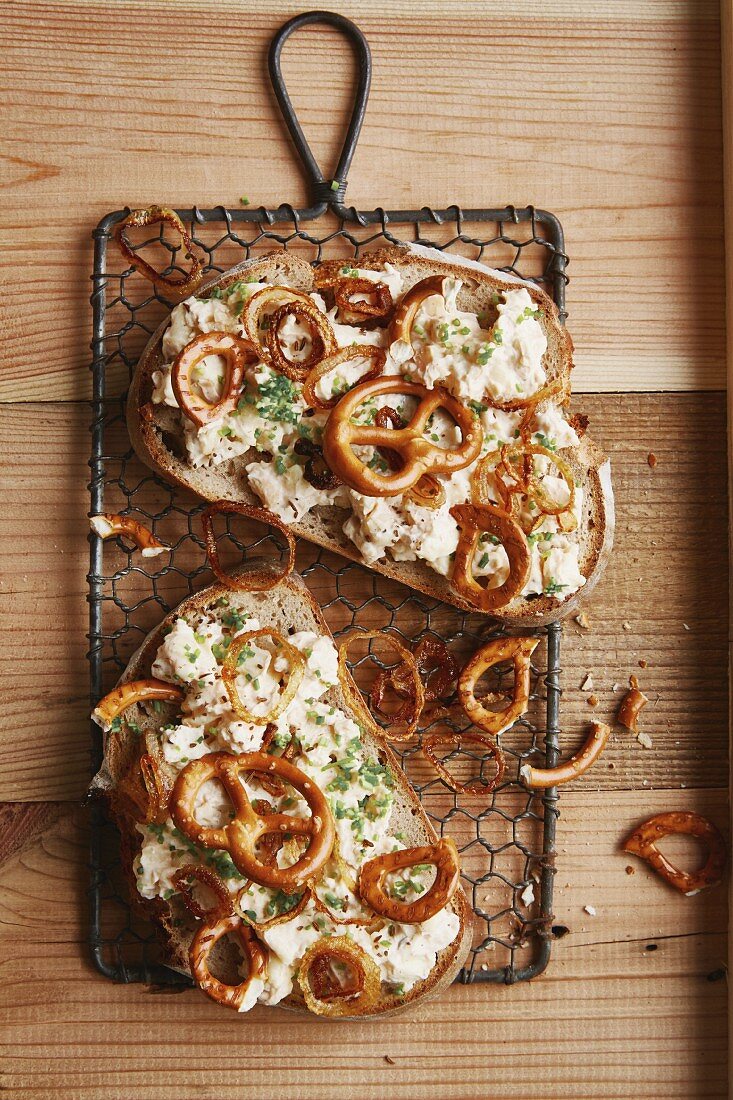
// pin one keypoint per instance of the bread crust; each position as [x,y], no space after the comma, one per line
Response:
[154,436]
[172,920]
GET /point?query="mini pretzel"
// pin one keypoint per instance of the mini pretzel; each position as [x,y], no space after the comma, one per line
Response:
[517,650]
[443,856]
[240,836]
[235,351]
[206,936]
[134,691]
[109,524]
[407,311]
[419,456]
[580,762]
[645,837]
[632,704]
[473,520]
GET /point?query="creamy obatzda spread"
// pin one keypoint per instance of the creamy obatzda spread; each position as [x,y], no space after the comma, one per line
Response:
[324,774]
[435,428]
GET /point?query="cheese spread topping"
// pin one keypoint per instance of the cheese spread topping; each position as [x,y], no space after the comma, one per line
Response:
[329,749]
[476,357]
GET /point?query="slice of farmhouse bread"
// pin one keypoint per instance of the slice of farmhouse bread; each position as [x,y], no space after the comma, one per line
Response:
[287,608]
[158,436]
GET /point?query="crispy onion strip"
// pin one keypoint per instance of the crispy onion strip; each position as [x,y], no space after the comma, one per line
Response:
[258,580]
[279,918]
[323,341]
[645,837]
[443,856]
[241,836]
[322,478]
[418,456]
[144,790]
[229,673]
[108,525]
[334,360]
[473,520]
[344,286]
[407,310]
[459,741]
[236,352]
[133,691]
[183,881]
[553,389]
[584,758]
[324,993]
[517,650]
[201,945]
[632,704]
[267,299]
[417,692]
[156,215]
[526,482]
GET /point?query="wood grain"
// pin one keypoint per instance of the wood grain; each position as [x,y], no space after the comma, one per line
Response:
[648,1021]
[608,115]
[668,574]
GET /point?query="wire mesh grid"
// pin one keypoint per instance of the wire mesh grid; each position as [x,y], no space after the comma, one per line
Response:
[506,840]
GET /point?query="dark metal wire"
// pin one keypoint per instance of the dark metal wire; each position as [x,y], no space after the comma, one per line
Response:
[507,839]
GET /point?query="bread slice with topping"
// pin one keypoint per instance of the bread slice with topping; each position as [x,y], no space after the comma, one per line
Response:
[151,853]
[158,435]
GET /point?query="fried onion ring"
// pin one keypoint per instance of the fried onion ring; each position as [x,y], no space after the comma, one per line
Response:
[473,519]
[631,706]
[156,215]
[182,882]
[335,359]
[108,525]
[584,758]
[417,454]
[417,700]
[323,341]
[133,691]
[353,312]
[324,993]
[254,308]
[527,483]
[279,918]
[457,741]
[645,837]
[517,650]
[443,856]
[552,389]
[257,580]
[236,352]
[241,835]
[203,941]
[229,673]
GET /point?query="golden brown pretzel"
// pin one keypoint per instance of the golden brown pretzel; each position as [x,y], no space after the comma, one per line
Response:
[443,856]
[645,837]
[473,520]
[206,936]
[234,350]
[419,456]
[241,835]
[517,650]
[124,695]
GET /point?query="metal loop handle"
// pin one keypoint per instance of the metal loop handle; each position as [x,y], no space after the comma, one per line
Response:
[323,191]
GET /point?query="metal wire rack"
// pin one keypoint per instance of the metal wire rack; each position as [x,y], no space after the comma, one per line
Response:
[507,841]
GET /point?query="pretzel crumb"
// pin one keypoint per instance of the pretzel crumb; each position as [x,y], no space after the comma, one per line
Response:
[651,459]
[630,870]
[592,700]
[583,620]
[590,910]
[626,625]
[587,684]
[644,740]
[642,663]
[388,1060]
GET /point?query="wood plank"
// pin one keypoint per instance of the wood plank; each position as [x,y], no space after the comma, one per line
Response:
[668,574]
[649,1023]
[625,149]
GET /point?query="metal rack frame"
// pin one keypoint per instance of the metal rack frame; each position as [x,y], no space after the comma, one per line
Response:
[320,227]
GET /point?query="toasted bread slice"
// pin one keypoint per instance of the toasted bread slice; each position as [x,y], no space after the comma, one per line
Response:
[157,436]
[287,608]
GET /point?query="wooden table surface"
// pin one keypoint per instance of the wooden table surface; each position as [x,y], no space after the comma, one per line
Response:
[606,113]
